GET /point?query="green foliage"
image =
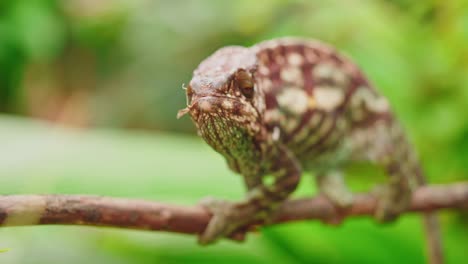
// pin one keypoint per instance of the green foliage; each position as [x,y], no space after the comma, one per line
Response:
[126,60]
[29,30]
[120,64]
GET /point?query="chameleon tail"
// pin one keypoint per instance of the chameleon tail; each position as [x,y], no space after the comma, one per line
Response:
[430,219]
[406,173]
[432,229]
[433,239]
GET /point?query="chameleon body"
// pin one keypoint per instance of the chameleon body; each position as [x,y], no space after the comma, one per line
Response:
[290,105]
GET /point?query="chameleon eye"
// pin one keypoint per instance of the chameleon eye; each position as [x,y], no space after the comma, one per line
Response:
[245,84]
[247,90]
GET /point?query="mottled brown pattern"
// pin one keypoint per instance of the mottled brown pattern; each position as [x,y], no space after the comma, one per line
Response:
[288,105]
[317,54]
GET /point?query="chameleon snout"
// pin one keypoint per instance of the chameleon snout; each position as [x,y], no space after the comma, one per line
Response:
[217,104]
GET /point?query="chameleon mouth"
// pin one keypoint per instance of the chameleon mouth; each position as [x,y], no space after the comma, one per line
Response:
[206,104]
[227,124]
[213,105]
[220,116]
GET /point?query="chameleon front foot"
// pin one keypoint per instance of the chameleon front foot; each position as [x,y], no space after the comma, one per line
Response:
[228,220]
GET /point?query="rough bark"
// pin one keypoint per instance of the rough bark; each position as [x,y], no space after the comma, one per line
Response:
[21,210]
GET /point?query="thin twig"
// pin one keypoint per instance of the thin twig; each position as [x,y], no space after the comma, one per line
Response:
[21,210]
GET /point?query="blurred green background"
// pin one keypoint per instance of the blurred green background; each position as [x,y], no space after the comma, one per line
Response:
[89,92]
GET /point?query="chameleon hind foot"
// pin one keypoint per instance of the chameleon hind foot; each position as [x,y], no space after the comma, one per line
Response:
[229,220]
[391,203]
[332,185]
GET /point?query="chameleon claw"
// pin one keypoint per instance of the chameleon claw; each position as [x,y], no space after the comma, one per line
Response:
[227,221]
[213,232]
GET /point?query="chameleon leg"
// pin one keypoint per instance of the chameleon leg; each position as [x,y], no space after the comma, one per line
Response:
[332,185]
[396,155]
[233,217]
[396,195]
[391,151]
[252,182]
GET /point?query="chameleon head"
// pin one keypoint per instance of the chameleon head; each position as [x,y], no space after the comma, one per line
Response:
[223,99]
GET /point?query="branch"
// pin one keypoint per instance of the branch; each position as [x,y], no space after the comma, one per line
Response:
[21,210]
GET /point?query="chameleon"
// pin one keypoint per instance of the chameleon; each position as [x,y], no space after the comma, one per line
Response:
[289,105]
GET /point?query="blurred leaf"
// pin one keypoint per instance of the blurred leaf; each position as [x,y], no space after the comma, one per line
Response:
[38,28]
[40,158]
[121,63]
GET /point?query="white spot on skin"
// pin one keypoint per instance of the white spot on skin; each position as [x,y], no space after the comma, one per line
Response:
[227,104]
[204,106]
[272,116]
[323,71]
[292,75]
[265,84]
[293,100]
[260,105]
[295,59]
[340,78]
[311,102]
[328,98]
[379,105]
[276,134]
[331,72]
[263,70]
[372,102]
[247,110]
[239,119]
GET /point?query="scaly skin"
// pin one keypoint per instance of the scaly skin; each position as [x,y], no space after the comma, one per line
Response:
[290,105]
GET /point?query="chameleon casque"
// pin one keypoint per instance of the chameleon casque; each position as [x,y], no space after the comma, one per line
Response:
[290,105]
